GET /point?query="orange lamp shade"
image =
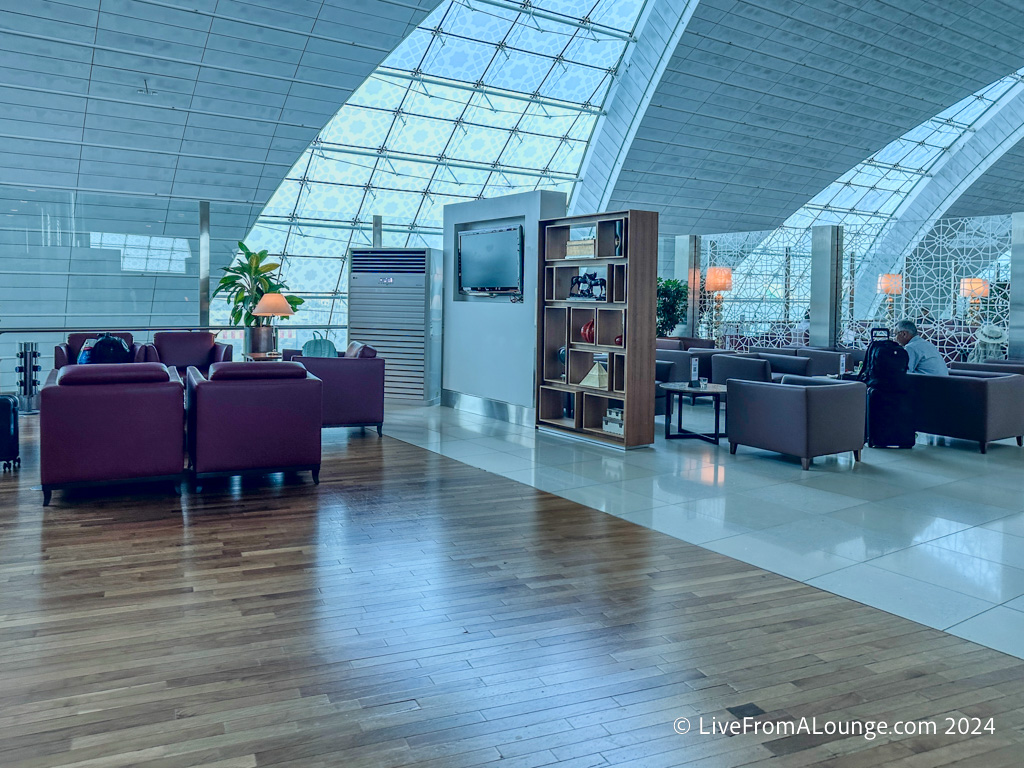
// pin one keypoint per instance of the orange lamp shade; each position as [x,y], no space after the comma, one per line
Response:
[273,304]
[718,279]
[890,284]
[974,288]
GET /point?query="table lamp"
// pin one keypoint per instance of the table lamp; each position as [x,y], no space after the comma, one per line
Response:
[891,286]
[718,280]
[269,305]
[974,289]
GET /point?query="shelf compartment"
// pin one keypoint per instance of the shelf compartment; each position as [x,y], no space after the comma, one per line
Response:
[555,338]
[617,372]
[560,407]
[549,283]
[580,316]
[608,232]
[617,292]
[611,328]
[595,409]
[555,239]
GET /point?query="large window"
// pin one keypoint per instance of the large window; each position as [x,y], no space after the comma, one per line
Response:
[484,98]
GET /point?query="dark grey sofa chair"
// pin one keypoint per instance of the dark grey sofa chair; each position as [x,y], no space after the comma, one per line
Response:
[801,416]
[990,366]
[969,405]
[744,367]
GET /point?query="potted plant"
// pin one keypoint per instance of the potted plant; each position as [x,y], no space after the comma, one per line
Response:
[243,284]
[671,305]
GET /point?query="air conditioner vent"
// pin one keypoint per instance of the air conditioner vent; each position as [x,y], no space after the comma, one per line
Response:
[392,262]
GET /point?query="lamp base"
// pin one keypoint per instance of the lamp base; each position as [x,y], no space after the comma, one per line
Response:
[260,338]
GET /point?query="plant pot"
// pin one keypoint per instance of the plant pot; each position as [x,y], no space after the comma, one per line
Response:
[259,338]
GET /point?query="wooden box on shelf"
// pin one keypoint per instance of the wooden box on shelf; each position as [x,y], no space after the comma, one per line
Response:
[608,338]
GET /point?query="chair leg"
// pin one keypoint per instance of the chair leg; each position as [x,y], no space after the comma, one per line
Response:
[1020,440]
[856,455]
[380,431]
[983,447]
[47,495]
[316,476]
[805,463]
[733,447]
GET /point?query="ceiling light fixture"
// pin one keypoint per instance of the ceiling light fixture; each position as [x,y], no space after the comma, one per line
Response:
[145,89]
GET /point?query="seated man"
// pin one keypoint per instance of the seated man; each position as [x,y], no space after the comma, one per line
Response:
[924,357]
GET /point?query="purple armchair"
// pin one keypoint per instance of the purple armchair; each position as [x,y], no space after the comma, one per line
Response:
[254,418]
[107,423]
[67,353]
[188,348]
[353,386]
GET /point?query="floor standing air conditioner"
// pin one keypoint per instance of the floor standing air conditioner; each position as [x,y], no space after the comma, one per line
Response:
[394,305]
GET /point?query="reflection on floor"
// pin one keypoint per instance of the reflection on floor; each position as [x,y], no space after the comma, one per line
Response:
[934,534]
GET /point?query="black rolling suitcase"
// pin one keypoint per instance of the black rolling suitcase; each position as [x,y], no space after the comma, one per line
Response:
[890,418]
[9,431]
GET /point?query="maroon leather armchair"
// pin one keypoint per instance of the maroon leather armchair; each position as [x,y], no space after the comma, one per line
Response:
[182,349]
[67,353]
[254,418]
[353,386]
[107,423]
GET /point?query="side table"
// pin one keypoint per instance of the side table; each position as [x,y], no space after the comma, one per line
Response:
[676,390]
[261,357]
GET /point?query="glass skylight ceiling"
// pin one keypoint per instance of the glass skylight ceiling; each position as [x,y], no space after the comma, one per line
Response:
[866,200]
[485,98]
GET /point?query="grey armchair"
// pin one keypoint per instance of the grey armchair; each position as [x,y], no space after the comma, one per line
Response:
[969,405]
[801,416]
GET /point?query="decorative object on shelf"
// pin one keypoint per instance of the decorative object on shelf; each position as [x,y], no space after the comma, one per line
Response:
[618,340]
[587,332]
[588,286]
[614,421]
[581,249]
[562,353]
[597,377]
[618,239]
[891,286]
[717,281]
[244,283]
[671,305]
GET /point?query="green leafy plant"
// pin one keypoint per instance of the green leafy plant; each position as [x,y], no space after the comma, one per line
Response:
[244,283]
[671,305]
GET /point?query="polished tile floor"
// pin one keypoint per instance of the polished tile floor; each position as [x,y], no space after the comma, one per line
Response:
[934,534]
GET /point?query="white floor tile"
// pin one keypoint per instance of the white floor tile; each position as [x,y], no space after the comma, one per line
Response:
[608,498]
[987,544]
[778,556]
[1000,628]
[682,522]
[904,596]
[983,579]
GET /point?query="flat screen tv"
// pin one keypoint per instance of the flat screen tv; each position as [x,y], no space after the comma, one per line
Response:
[491,261]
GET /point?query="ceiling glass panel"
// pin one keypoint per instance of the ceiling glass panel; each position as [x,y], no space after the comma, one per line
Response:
[479,101]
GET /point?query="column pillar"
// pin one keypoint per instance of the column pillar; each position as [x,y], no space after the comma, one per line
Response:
[1016,329]
[826,282]
[688,265]
[204,263]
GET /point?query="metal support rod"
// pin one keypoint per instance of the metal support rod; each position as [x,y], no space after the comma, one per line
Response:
[204,263]
[378,231]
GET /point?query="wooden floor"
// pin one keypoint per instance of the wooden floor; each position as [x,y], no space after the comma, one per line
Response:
[413,610]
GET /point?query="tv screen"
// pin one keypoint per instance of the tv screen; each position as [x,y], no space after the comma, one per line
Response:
[491,260]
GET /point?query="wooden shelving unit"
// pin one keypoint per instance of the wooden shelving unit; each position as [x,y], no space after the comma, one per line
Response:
[623,327]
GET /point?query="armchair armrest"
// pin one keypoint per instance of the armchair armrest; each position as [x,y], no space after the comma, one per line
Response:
[288,354]
[222,353]
[61,356]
